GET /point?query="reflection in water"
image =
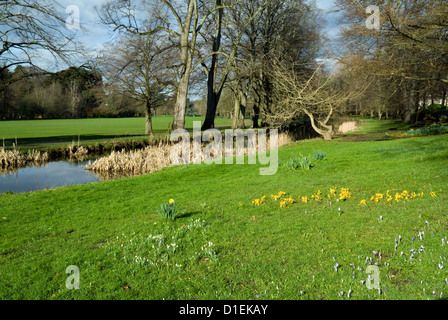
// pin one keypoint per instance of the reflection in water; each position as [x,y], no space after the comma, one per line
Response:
[47,176]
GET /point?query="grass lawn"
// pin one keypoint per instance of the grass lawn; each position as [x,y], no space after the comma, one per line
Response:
[226,247]
[66,130]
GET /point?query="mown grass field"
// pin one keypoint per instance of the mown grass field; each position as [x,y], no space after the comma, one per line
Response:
[29,132]
[226,247]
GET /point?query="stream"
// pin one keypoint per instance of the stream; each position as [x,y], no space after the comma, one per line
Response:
[47,176]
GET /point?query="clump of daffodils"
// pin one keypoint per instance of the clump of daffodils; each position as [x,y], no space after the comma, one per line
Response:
[342,195]
[317,195]
[260,201]
[280,194]
[168,211]
[286,201]
[377,197]
[345,194]
[332,192]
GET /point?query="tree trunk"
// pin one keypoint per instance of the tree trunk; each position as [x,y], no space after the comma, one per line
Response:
[256,116]
[408,117]
[236,111]
[256,109]
[212,95]
[186,59]
[243,104]
[209,121]
[148,119]
[239,110]
[443,99]
[181,104]
[326,134]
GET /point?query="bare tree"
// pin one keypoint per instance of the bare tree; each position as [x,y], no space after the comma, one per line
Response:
[29,27]
[182,22]
[297,93]
[233,31]
[75,97]
[407,53]
[283,30]
[135,67]
[123,16]
[51,100]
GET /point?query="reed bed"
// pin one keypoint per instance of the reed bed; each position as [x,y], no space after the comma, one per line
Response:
[118,164]
[11,159]
[134,162]
[150,159]
[284,138]
[77,152]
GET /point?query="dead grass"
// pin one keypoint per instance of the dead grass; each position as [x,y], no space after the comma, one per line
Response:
[347,127]
[77,152]
[142,161]
[11,159]
[150,159]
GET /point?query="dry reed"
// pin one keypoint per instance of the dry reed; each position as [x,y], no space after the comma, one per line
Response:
[142,161]
[149,159]
[77,152]
[15,159]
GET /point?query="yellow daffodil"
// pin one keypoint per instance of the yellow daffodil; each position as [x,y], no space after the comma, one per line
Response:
[260,201]
[345,194]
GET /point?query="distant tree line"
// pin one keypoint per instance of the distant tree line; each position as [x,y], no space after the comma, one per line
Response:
[76,92]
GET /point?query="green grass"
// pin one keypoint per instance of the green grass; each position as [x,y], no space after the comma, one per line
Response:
[30,132]
[224,246]
[374,130]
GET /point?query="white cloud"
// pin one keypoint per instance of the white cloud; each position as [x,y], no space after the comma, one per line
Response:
[325,4]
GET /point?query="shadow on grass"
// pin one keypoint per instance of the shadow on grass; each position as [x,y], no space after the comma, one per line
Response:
[83,138]
[71,138]
[187,214]
[373,131]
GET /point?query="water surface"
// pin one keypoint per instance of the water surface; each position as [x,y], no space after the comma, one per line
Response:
[51,175]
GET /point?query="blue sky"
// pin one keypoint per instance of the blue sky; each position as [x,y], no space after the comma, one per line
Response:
[331,28]
[96,34]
